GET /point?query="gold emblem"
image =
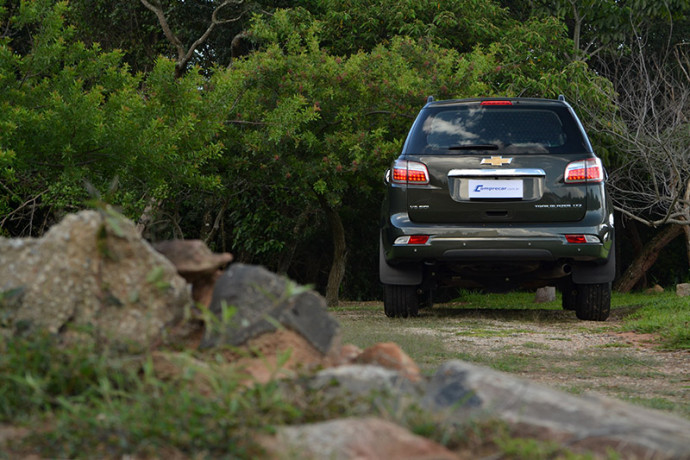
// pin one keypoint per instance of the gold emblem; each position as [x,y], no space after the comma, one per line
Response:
[496,161]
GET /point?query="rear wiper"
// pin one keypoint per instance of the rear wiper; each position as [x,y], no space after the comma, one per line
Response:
[474,147]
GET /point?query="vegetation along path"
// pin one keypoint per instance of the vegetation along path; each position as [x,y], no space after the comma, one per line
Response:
[627,357]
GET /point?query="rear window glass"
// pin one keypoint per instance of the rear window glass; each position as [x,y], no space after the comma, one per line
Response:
[510,129]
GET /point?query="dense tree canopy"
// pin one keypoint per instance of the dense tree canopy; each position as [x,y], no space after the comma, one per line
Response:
[274,153]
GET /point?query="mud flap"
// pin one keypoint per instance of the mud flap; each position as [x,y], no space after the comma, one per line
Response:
[407,276]
[596,274]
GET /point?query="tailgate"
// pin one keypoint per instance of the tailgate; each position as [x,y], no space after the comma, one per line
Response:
[524,188]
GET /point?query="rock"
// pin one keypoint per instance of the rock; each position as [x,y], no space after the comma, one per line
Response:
[358,380]
[93,272]
[264,359]
[592,423]
[656,289]
[683,290]
[195,263]
[249,301]
[545,294]
[390,356]
[367,438]
[347,354]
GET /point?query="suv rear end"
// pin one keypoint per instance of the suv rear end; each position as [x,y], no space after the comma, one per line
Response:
[497,194]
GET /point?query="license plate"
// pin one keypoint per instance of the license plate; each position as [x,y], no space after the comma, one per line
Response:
[480,188]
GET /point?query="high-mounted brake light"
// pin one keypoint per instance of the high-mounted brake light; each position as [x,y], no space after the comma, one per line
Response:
[410,173]
[589,170]
[496,103]
[412,239]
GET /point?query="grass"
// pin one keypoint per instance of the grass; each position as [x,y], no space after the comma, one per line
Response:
[87,402]
[449,331]
[667,316]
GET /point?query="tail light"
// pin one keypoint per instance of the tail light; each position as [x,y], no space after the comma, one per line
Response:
[412,239]
[410,173]
[589,170]
[582,239]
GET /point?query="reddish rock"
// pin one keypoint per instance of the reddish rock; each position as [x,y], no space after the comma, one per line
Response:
[656,289]
[390,356]
[196,263]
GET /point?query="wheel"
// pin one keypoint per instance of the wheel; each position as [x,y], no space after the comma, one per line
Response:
[400,301]
[593,301]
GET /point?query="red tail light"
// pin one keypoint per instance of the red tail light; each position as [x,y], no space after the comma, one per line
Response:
[575,239]
[412,239]
[582,239]
[589,170]
[410,173]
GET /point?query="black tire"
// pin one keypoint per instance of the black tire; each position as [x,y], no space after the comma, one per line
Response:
[400,301]
[593,301]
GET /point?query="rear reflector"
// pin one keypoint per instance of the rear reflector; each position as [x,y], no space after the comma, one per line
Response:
[581,239]
[589,170]
[412,239]
[496,103]
[410,173]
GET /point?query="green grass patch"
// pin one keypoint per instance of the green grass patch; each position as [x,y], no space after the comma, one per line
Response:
[665,314]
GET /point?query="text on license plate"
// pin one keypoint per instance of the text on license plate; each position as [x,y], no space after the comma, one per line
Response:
[480,188]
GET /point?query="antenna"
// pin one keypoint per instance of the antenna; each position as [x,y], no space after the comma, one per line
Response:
[561,98]
[430,99]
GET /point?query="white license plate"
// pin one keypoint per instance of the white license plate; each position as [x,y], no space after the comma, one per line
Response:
[480,188]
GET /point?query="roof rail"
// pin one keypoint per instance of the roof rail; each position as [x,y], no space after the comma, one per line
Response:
[430,99]
[561,98]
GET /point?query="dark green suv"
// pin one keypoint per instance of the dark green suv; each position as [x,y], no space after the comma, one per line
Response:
[497,194]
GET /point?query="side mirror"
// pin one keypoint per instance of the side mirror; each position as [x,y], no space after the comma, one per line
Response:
[387,177]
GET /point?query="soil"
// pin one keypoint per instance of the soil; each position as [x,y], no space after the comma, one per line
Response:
[554,348]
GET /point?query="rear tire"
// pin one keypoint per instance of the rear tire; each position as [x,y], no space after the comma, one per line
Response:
[593,301]
[400,301]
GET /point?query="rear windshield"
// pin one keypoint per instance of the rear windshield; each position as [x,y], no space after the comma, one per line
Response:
[454,130]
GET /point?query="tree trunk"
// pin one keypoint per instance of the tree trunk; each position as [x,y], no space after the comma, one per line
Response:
[647,257]
[631,229]
[686,228]
[147,216]
[211,225]
[288,254]
[337,272]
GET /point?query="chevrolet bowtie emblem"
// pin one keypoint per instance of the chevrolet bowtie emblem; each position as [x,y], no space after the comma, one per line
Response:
[496,161]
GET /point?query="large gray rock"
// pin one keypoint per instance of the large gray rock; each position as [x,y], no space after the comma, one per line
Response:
[683,290]
[91,272]
[261,302]
[592,423]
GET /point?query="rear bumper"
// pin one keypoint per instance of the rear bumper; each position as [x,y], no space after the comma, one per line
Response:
[498,242]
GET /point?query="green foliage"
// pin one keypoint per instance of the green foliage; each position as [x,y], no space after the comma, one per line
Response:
[350,26]
[302,128]
[38,376]
[73,113]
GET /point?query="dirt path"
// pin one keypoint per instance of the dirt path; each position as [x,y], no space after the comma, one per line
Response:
[551,347]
